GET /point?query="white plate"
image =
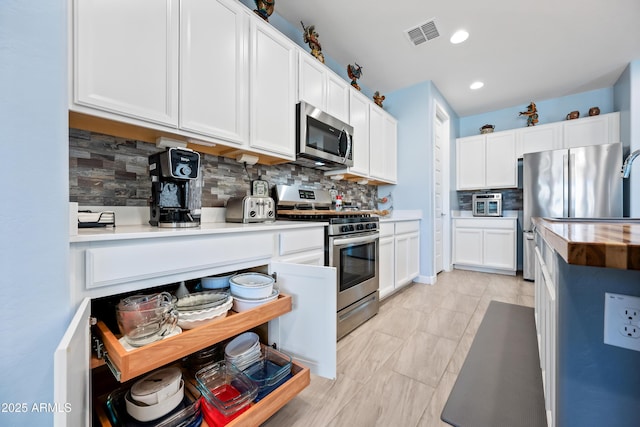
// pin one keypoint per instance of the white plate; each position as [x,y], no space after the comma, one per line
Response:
[241,344]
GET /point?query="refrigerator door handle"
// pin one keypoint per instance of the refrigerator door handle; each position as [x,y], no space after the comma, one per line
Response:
[566,193]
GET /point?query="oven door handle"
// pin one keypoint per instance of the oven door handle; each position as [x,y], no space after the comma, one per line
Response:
[370,237]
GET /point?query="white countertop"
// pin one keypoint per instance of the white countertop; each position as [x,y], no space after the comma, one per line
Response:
[124,232]
[402,215]
[468,214]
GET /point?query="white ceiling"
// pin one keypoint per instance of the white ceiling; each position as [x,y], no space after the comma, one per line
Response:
[522,51]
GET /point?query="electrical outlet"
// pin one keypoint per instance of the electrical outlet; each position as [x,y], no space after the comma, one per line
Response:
[622,321]
[630,314]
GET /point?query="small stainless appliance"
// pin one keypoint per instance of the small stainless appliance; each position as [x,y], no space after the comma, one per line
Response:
[250,209]
[351,246]
[581,182]
[171,172]
[323,142]
[488,204]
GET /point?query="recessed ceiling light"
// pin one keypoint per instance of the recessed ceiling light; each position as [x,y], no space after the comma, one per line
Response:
[459,36]
[476,85]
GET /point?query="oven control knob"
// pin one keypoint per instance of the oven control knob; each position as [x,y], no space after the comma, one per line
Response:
[270,214]
[351,228]
[252,214]
[344,228]
[360,226]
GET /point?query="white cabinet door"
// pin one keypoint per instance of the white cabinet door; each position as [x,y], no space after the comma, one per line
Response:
[499,249]
[383,142]
[71,371]
[390,149]
[386,266]
[467,246]
[309,332]
[272,98]
[501,170]
[376,141]
[470,163]
[337,97]
[126,58]
[533,139]
[312,85]
[413,260]
[214,70]
[594,130]
[359,119]
[406,258]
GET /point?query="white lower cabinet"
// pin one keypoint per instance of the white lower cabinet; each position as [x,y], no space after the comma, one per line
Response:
[399,255]
[301,322]
[386,263]
[546,327]
[485,244]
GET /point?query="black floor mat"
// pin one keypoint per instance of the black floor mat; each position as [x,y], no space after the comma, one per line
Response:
[500,383]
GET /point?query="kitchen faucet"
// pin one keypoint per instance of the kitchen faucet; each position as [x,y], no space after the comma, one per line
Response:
[626,167]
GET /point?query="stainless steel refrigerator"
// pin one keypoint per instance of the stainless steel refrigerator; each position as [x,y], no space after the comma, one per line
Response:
[581,182]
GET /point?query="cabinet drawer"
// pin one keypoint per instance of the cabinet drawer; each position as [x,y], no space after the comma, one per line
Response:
[294,241]
[259,412]
[128,263]
[131,364]
[407,227]
[485,223]
[386,229]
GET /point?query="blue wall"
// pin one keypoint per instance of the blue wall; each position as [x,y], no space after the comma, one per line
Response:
[414,107]
[34,242]
[550,111]
[597,384]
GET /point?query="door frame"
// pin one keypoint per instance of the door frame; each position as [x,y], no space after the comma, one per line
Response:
[440,114]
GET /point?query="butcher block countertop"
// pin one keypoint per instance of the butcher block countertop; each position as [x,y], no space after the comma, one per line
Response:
[596,244]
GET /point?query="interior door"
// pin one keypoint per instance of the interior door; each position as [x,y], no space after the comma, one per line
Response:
[71,371]
[437,182]
[309,332]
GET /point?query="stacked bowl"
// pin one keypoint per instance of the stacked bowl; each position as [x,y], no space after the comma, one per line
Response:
[143,319]
[250,290]
[155,395]
[200,308]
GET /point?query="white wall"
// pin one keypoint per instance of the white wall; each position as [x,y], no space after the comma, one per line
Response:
[33,218]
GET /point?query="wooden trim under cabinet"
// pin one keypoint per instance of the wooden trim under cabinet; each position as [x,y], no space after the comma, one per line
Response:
[151,356]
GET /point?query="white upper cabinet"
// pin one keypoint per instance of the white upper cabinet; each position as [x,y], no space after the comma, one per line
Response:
[595,130]
[272,99]
[486,161]
[338,97]
[312,85]
[321,88]
[125,58]
[383,142]
[214,69]
[539,138]
[359,119]
[470,162]
[501,162]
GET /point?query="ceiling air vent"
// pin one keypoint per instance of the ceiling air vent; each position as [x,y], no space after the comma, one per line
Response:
[423,32]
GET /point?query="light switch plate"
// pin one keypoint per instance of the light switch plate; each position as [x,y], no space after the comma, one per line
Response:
[622,321]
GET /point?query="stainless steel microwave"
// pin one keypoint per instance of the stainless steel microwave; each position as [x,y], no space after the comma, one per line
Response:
[323,142]
[489,204]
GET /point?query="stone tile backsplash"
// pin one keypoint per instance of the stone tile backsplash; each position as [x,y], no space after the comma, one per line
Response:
[511,199]
[111,171]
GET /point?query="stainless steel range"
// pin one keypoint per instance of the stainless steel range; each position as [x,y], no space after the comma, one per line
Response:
[351,246]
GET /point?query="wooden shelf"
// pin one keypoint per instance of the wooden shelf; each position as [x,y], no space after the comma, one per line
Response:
[145,359]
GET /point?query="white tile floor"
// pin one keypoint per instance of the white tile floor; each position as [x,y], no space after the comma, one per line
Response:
[399,367]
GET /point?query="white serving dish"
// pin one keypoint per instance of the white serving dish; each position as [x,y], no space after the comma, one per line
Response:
[242,344]
[220,281]
[244,304]
[207,313]
[201,301]
[202,319]
[144,413]
[157,386]
[251,285]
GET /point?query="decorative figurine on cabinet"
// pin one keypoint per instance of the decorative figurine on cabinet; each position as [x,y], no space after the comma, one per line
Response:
[264,8]
[531,113]
[377,98]
[594,111]
[354,72]
[311,37]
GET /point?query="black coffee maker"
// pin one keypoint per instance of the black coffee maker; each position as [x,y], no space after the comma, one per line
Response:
[172,171]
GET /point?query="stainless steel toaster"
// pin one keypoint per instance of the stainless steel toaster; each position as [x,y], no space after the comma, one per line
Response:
[250,209]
